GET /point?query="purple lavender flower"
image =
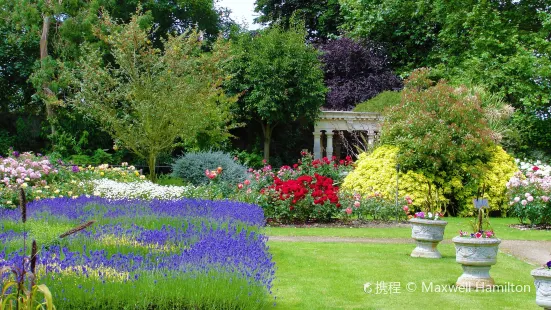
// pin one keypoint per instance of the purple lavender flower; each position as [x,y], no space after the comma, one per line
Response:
[199,237]
[75,168]
[15,154]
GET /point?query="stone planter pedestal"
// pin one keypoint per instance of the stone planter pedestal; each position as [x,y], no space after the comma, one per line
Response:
[476,255]
[427,234]
[542,281]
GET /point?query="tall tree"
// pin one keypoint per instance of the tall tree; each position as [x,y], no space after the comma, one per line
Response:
[355,72]
[56,29]
[152,99]
[280,77]
[322,18]
[504,46]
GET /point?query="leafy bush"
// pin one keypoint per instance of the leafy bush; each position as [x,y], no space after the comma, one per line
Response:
[446,133]
[192,166]
[306,191]
[250,159]
[437,129]
[495,175]
[380,102]
[530,196]
[302,199]
[6,141]
[332,168]
[374,206]
[376,172]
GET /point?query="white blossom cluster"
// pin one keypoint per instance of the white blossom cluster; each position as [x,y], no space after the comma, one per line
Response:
[144,189]
[538,167]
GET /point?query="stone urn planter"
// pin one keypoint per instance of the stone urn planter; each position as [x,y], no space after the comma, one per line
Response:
[476,255]
[542,281]
[427,235]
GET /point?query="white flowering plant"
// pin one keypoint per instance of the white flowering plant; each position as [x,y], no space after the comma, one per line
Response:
[145,190]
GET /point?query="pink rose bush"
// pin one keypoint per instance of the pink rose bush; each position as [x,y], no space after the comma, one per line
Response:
[42,178]
[529,192]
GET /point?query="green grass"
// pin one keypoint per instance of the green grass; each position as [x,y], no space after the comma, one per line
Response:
[332,275]
[500,226]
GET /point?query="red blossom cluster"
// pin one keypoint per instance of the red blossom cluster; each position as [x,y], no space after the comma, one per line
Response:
[326,161]
[320,188]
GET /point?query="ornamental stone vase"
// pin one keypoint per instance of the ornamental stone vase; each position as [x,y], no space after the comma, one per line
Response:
[476,255]
[542,281]
[427,235]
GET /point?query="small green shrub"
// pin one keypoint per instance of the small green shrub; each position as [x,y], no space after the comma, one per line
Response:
[6,141]
[81,160]
[380,102]
[252,159]
[192,166]
[373,207]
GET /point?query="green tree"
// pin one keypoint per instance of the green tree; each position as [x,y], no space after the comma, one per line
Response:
[280,77]
[503,46]
[322,18]
[42,37]
[152,99]
[444,132]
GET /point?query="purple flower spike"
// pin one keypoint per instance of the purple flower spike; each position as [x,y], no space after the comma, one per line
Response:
[75,169]
[16,154]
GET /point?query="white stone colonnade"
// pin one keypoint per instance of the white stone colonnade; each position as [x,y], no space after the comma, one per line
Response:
[331,121]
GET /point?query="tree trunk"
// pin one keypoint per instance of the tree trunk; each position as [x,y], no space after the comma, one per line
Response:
[46,91]
[267,129]
[151,163]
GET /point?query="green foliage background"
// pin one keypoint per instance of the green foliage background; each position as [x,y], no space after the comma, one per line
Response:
[503,46]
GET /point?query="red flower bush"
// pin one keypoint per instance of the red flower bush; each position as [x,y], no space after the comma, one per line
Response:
[303,198]
[307,190]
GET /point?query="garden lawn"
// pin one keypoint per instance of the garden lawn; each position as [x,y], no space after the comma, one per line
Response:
[500,225]
[332,276]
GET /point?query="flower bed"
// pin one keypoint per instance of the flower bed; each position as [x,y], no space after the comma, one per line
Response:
[41,178]
[139,254]
[529,192]
[143,189]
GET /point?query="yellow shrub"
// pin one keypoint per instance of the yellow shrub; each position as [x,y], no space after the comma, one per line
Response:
[495,175]
[376,172]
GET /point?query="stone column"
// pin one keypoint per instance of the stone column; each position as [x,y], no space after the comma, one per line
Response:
[317,144]
[337,143]
[329,147]
[370,137]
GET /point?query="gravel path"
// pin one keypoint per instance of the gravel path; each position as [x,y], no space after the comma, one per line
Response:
[533,252]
